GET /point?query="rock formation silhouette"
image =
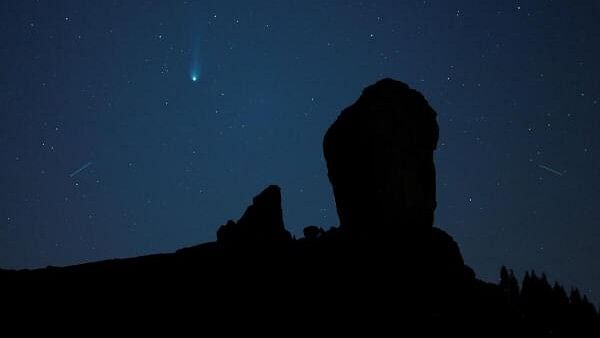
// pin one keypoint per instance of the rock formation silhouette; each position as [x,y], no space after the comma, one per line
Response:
[261,223]
[385,270]
[379,156]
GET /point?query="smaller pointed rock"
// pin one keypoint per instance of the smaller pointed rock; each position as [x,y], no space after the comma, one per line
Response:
[262,222]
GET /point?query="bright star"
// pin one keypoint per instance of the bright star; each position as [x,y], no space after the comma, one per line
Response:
[194,78]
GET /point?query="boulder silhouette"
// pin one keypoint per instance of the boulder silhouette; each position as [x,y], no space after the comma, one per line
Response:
[379,155]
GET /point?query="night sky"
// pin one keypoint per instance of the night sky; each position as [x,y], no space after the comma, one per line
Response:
[137,127]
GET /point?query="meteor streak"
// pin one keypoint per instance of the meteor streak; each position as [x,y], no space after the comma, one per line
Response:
[556,172]
[82,168]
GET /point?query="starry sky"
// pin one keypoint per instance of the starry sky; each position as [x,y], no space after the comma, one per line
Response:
[137,127]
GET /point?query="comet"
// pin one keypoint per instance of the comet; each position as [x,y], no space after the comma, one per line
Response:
[195,62]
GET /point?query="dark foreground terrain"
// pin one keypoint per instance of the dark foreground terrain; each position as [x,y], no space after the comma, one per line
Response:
[384,269]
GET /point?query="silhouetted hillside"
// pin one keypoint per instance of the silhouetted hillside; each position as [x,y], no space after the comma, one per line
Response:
[385,267]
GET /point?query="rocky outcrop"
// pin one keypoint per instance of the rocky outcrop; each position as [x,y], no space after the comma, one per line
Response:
[445,258]
[386,267]
[379,156]
[261,223]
